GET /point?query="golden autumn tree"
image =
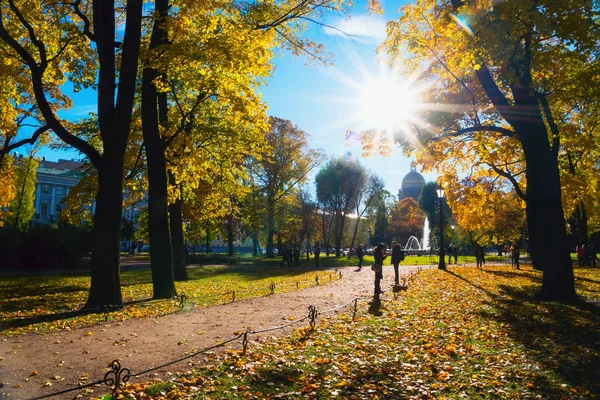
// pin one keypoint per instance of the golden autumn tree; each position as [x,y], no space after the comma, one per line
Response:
[22,206]
[79,41]
[406,220]
[283,166]
[489,68]
[206,51]
[7,186]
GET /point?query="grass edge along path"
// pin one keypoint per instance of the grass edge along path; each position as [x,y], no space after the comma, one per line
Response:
[463,333]
[211,289]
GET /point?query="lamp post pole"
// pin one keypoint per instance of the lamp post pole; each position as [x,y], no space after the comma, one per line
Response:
[442,262]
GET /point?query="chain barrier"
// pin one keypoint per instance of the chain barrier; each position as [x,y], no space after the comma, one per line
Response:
[182,299]
[312,314]
[117,376]
[245,342]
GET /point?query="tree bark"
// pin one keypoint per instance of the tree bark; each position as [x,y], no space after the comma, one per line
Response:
[207,241]
[161,257]
[105,288]
[582,224]
[255,244]
[178,241]
[270,227]
[230,236]
[114,123]
[340,233]
[545,217]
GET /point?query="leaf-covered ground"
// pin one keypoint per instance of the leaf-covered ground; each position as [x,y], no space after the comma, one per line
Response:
[463,333]
[47,303]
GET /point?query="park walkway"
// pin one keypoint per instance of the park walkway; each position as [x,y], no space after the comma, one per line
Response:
[35,365]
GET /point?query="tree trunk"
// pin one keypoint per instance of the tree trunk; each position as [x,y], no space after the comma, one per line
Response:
[545,217]
[355,231]
[105,288]
[161,259]
[331,219]
[582,225]
[270,227]
[178,241]
[340,234]
[114,123]
[207,241]
[255,244]
[230,235]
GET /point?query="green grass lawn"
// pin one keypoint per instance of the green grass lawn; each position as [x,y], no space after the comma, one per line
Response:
[49,302]
[324,261]
[462,333]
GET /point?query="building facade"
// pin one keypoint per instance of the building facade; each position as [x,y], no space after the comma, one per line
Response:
[412,184]
[53,182]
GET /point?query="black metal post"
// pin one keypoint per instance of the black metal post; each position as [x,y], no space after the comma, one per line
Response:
[442,263]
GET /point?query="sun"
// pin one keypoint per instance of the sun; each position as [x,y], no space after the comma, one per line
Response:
[386,103]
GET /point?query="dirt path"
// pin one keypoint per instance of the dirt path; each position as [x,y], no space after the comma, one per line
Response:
[64,357]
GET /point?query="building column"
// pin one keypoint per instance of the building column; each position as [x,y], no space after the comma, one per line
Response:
[38,198]
[52,211]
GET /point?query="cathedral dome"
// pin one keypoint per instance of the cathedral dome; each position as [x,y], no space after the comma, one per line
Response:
[413,178]
[412,184]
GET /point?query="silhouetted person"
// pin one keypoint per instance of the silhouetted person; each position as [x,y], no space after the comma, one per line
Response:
[317,254]
[479,256]
[360,254]
[296,256]
[515,254]
[397,257]
[286,256]
[379,255]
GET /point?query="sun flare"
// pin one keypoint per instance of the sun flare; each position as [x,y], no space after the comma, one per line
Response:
[387,104]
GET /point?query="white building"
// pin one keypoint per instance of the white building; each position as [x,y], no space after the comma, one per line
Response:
[53,182]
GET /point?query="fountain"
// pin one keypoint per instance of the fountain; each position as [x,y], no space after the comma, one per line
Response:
[416,246]
[426,231]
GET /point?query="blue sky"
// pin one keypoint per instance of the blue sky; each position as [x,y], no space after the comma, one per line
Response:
[321,100]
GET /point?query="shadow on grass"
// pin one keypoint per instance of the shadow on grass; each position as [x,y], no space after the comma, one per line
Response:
[561,338]
[470,283]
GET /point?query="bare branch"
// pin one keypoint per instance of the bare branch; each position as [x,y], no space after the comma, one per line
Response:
[7,149]
[481,128]
[86,22]
[550,119]
[510,177]
[136,166]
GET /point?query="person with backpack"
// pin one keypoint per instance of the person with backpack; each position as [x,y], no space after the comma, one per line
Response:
[397,257]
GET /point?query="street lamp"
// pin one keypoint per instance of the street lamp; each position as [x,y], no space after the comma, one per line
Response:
[442,263]
[369,238]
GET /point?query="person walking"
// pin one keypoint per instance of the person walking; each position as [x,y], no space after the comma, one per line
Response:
[397,257]
[455,253]
[479,256]
[317,254]
[360,255]
[379,255]
[515,254]
[579,253]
